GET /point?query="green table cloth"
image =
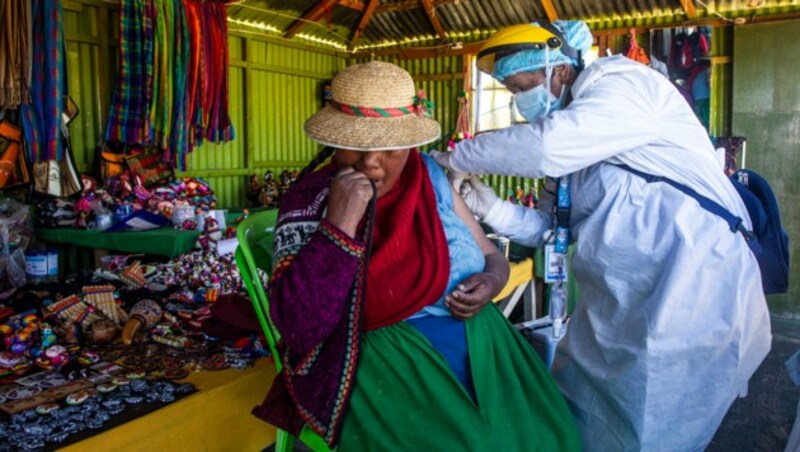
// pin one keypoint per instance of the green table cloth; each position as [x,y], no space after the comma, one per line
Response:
[163,241]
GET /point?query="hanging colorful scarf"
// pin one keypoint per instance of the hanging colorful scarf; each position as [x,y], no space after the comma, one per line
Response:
[211,117]
[175,153]
[128,119]
[41,118]
[410,262]
[193,114]
[160,107]
[15,35]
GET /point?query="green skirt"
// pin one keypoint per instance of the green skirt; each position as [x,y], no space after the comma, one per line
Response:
[407,398]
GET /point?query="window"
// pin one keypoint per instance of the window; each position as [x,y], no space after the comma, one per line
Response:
[491,103]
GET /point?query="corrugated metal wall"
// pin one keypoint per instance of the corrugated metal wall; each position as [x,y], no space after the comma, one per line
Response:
[273,89]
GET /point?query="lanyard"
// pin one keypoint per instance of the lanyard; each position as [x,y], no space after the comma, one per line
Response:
[556,256]
[561,218]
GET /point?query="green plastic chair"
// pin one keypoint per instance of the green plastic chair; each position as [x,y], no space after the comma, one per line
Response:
[256,235]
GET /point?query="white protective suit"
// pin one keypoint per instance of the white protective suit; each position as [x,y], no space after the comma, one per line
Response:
[672,321]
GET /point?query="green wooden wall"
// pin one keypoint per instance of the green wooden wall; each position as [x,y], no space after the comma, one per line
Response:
[273,89]
[766,110]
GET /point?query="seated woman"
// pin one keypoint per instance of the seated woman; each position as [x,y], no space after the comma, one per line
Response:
[386,340]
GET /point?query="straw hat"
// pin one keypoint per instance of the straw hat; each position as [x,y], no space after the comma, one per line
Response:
[373,108]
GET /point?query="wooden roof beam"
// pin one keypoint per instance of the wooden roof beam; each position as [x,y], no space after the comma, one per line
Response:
[357,5]
[689,9]
[431,12]
[412,53]
[362,24]
[316,13]
[550,10]
[408,4]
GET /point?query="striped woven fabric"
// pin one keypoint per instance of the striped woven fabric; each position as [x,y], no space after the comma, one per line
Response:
[373,112]
[178,141]
[172,89]
[42,117]
[128,120]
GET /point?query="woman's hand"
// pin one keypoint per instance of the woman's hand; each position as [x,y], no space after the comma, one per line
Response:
[349,197]
[472,294]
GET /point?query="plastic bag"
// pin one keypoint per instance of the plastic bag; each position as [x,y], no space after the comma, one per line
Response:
[16,233]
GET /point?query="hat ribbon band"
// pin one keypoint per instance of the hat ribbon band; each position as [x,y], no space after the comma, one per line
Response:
[373,112]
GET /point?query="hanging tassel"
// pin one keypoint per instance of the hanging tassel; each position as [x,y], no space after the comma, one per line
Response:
[422,105]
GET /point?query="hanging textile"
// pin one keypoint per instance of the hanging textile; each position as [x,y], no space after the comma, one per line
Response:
[163,65]
[129,119]
[41,118]
[172,90]
[193,94]
[15,58]
[217,123]
[178,140]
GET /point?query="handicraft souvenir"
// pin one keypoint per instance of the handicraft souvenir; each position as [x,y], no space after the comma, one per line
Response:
[143,316]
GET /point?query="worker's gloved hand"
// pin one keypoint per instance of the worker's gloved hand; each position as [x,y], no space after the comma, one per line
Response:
[478,196]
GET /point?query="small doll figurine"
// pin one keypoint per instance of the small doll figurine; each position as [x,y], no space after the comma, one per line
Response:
[269,191]
[84,209]
[212,229]
[520,194]
[191,187]
[510,196]
[253,189]
[530,199]
[269,178]
[264,197]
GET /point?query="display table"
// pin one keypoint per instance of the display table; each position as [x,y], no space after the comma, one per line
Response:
[163,241]
[216,417]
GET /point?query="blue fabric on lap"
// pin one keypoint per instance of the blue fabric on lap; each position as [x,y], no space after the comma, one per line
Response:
[448,336]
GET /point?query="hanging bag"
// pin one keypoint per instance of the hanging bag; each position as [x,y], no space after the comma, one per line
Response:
[12,160]
[149,165]
[768,240]
[110,160]
[60,178]
[635,52]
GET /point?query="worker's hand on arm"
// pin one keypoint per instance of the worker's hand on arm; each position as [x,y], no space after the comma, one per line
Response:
[349,197]
[478,196]
[476,291]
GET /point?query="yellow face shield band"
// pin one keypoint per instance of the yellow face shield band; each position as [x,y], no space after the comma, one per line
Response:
[518,38]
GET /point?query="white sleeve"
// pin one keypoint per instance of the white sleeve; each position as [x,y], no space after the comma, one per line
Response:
[615,115]
[519,223]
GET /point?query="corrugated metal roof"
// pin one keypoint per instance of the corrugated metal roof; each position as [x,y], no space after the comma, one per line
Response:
[401,20]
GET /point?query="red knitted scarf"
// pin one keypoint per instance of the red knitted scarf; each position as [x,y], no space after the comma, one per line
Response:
[410,263]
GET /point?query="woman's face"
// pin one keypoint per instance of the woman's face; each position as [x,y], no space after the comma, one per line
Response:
[383,167]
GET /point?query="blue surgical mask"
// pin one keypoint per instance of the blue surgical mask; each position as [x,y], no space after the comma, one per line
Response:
[535,102]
